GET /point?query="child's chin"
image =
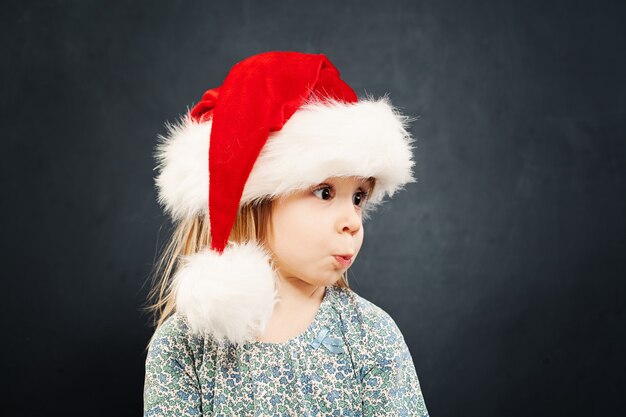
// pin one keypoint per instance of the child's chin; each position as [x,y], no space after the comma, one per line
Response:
[324,280]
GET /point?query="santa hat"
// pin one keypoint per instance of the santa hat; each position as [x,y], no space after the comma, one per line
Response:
[280,122]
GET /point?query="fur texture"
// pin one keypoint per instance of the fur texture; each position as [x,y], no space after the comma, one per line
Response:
[322,139]
[229,296]
[183,161]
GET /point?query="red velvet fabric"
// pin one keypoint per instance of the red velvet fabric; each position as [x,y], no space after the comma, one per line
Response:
[257,97]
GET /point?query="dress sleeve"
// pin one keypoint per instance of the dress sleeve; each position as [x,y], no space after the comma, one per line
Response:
[171,387]
[390,386]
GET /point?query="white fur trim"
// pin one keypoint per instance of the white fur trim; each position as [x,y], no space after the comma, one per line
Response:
[321,140]
[183,160]
[229,296]
[327,139]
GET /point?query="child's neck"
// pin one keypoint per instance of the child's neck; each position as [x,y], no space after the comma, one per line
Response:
[293,314]
[294,291]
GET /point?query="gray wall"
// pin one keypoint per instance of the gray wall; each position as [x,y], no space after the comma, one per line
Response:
[503,265]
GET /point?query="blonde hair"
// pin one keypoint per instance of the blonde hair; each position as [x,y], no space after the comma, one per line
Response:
[191,236]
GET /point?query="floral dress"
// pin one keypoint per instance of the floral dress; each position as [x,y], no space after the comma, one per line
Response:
[351,361]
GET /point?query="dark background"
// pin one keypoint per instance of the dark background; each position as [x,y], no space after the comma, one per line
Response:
[504,265]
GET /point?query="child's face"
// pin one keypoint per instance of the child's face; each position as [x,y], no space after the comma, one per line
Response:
[311,227]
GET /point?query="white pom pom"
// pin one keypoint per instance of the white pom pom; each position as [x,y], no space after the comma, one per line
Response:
[229,296]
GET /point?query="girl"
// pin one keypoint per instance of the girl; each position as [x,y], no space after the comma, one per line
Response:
[269,179]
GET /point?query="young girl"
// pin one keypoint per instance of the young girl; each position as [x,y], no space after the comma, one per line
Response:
[269,179]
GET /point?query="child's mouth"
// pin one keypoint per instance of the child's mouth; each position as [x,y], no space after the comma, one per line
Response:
[344,260]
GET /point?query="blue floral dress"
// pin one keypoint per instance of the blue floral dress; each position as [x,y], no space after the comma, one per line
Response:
[351,361]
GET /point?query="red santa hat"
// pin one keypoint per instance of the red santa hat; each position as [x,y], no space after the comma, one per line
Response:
[280,122]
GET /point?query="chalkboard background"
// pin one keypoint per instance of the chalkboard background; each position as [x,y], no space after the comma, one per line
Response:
[504,265]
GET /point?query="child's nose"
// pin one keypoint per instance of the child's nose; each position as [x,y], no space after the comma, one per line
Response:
[349,218]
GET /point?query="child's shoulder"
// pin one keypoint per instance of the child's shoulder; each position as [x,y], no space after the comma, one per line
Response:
[174,334]
[174,327]
[354,303]
[374,323]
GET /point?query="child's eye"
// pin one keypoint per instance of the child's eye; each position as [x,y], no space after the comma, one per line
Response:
[359,198]
[323,193]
